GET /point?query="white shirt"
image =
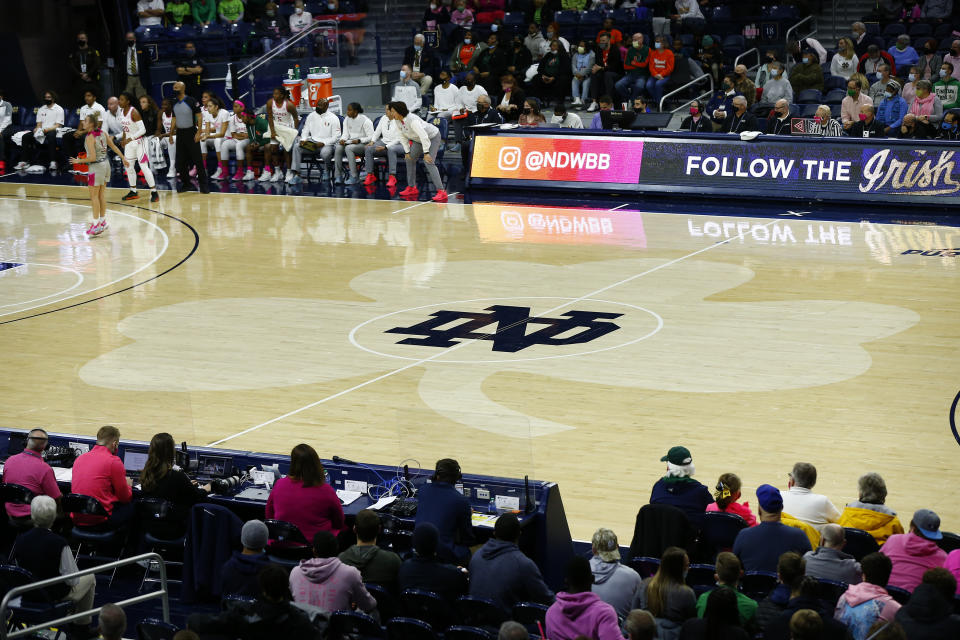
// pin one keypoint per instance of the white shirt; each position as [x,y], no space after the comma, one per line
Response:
[147,5]
[86,110]
[409,94]
[111,124]
[413,129]
[51,116]
[235,124]
[359,128]
[446,99]
[386,131]
[321,128]
[570,121]
[693,9]
[6,114]
[844,67]
[468,99]
[813,508]
[214,123]
[300,22]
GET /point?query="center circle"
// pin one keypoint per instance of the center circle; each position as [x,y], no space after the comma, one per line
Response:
[361,333]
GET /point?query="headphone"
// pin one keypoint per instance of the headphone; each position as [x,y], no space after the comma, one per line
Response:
[447,467]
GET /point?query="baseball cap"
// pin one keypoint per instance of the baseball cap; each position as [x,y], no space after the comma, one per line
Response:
[769,498]
[254,535]
[605,542]
[927,523]
[677,455]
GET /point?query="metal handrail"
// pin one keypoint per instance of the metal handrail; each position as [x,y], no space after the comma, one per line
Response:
[736,60]
[17,591]
[693,82]
[797,27]
[273,53]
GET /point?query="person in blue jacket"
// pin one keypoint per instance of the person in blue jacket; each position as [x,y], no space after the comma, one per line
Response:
[499,570]
[678,488]
[891,109]
[443,506]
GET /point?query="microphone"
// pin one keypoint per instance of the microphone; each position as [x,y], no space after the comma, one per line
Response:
[339,460]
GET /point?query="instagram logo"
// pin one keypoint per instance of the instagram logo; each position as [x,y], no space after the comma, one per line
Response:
[509,159]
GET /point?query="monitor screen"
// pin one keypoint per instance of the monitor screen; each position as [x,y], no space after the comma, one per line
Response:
[134,460]
[218,466]
[617,119]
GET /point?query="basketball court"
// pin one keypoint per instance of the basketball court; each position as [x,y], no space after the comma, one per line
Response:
[568,344]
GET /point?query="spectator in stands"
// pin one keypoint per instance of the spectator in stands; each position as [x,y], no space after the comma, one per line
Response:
[565,120]
[930,61]
[42,141]
[878,87]
[697,122]
[150,12]
[850,107]
[666,596]
[726,495]
[764,72]
[300,19]
[614,583]
[864,603]
[273,614]
[759,547]
[914,552]
[112,622]
[445,94]
[581,66]
[798,48]
[927,109]
[424,570]
[539,13]
[327,582]
[47,555]
[869,513]
[511,101]
[573,5]
[954,58]
[862,81]
[947,87]
[777,86]
[491,65]
[531,116]
[891,109]
[867,126]
[607,69]
[737,121]
[99,473]
[239,573]
[808,74]
[422,62]
[806,624]
[711,57]
[778,123]
[805,597]
[909,129]
[721,618]
[904,56]
[553,33]
[688,16]
[499,571]
[578,612]
[357,132]
[518,58]
[512,630]
[937,11]
[464,57]
[534,41]
[442,505]
[660,66]
[829,562]
[929,614]
[722,101]
[205,12]
[909,91]
[845,61]
[871,60]
[28,469]
[230,11]
[85,65]
[376,565]
[616,36]
[949,131]
[159,479]
[728,574]
[551,80]
[744,85]
[632,84]
[385,144]
[190,68]
[790,568]
[678,487]
[640,625]
[467,99]
[800,501]
[436,14]
[407,91]
[304,498]
[462,15]
[829,125]
[178,12]
[861,43]
[952,563]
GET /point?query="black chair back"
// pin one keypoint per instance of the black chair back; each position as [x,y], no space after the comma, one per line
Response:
[949,542]
[463,632]
[83,505]
[900,595]
[479,612]
[354,625]
[426,606]
[15,494]
[409,629]
[230,601]
[287,542]
[387,604]
[859,543]
[830,590]
[155,629]
[720,530]
[529,614]
[758,584]
[645,566]
[700,577]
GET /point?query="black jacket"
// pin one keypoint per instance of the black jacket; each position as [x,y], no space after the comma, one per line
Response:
[779,629]
[89,57]
[928,615]
[614,61]
[432,575]
[738,124]
[703,126]
[143,66]
[517,96]
[428,60]
[260,621]
[779,127]
[873,130]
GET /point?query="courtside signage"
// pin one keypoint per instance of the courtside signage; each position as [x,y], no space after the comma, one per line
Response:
[562,158]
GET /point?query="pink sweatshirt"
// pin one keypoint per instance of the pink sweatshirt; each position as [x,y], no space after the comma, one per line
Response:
[741,509]
[582,614]
[857,594]
[912,555]
[330,585]
[952,565]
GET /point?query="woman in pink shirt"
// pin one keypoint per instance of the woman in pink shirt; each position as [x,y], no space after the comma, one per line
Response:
[304,498]
[726,496]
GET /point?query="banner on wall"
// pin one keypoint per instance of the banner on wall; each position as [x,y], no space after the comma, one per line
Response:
[851,170]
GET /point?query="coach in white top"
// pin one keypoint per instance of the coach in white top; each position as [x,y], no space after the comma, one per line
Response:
[357,132]
[323,130]
[800,502]
[44,135]
[418,138]
[385,143]
[150,12]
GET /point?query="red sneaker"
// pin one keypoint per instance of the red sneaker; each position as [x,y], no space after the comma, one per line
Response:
[370,179]
[440,197]
[392,181]
[3,167]
[410,191]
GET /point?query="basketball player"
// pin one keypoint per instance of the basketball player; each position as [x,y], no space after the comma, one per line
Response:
[98,171]
[280,111]
[235,141]
[167,134]
[216,120]
[134,147]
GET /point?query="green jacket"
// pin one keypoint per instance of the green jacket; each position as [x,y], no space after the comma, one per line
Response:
[257,131]
[204,10]
[231,9]
[949,92]
[806,76]
[178,11]
[636,59]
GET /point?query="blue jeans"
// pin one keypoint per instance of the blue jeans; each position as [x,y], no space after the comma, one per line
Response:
[580,88]
[655,89]
[630,85]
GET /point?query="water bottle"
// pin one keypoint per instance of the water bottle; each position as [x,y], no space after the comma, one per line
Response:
[492,508]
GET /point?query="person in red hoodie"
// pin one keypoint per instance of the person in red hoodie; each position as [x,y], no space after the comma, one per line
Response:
[578,612]
[660,66]
[914,552]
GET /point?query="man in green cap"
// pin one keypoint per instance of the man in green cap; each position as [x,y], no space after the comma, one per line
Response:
[678,488]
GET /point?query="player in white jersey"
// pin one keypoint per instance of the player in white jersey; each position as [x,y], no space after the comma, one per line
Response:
[215,122]
[134,147]
[280,111]
[168,139]
[236,140]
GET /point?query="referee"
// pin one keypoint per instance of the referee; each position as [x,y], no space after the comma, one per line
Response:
[186,113]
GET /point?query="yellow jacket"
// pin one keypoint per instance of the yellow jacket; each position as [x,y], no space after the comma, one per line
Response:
[812,533]
[880,525]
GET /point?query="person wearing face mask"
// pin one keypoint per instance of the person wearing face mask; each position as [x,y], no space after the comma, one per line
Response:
[518,58]
[744,85]
[134,72]
[696,122]
[468,99]
[464,57]
[435,15]
[867,125]
[904,56]
[551,81]
[947,87]
[909,129]
[357,132]
[954,58]
[385,143]
[534,41]
[616,36]
[511,100]
[797,49]
[930,61]
[300,19]
[204,12]
[189,69]
[606,104]
[829,126]
[892,108]
[859,37]
[531,116]
[491,64]
[764,72]
[187,119]
[850,107]
[870,61]
[776,87]
[42,141]
[927,109]
[553,33]
[739,119]
[320,135]
[565,120]
[909,91]
[462,15]
[844,62]
[581,65]
[635,65]
[422,63]
[949,129]
[418,138]
[150,12]
[407,91]
[485,114]
[84,64]
[607,69]
[660,67]
[883,79]
[778,123]
[722,101]
[808,74]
